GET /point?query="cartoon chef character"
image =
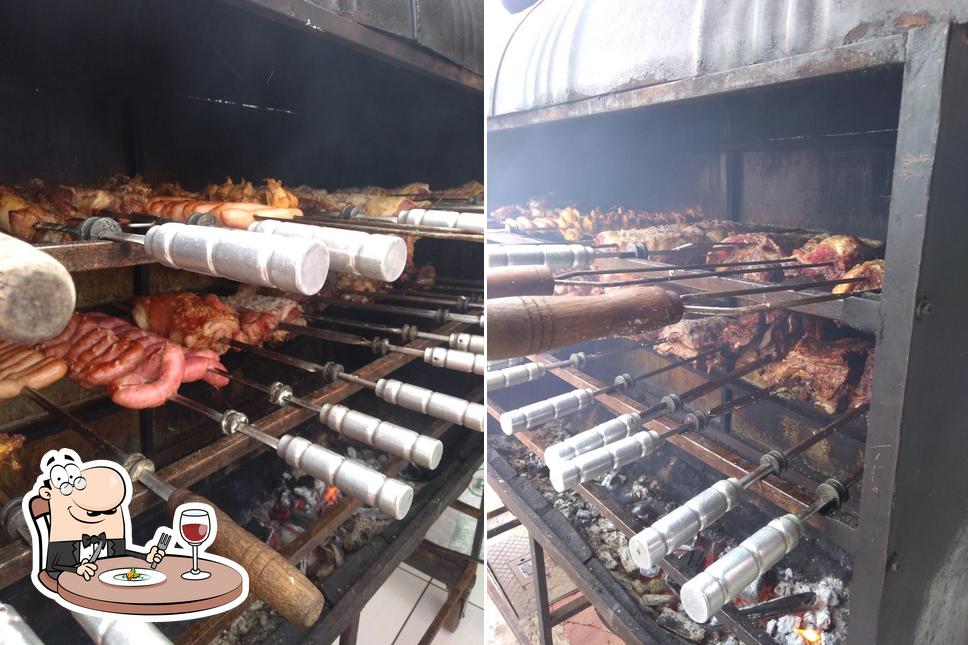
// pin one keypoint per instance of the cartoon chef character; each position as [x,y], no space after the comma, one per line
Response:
[88,513]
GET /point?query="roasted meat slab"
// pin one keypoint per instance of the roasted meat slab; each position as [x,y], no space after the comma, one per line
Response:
[825,373]
[843,251]
[757,246]
[687,338]
[872,271]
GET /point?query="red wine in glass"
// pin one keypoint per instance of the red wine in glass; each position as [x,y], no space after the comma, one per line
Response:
[194,526]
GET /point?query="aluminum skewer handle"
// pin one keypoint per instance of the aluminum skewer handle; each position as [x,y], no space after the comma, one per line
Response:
[624,425]
[391,496]
[298,265]
[380,257]
[383,435]
[611,456]
[470,222]
[724,579]
[462,341]
[355,479]
[649,546]
[436,404]
[555,256]
[514,375]
[455,359]
[557,407]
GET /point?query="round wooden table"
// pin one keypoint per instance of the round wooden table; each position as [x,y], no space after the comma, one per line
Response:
[173,596]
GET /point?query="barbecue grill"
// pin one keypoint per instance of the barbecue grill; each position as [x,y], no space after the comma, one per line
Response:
[810,117]
[355,434]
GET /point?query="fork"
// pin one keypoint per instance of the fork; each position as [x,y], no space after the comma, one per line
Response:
[162,545]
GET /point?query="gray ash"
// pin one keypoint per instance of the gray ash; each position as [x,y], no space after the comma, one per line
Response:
[644,488]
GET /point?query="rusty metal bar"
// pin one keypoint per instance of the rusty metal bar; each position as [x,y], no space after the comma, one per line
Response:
[87,256]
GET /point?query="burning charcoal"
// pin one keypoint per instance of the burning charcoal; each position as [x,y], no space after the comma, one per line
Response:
[584,515]
[330,557]
[681,626]
[643,511]
[649,586]
[613,481]
[656,599]
[625,557]
[607,560]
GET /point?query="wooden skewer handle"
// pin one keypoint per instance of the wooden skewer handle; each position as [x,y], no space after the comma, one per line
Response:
[278,583]
[531,324]
[36,293]
[533,280]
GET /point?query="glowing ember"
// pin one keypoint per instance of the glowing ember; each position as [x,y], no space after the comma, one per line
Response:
[331,495]
[809,635]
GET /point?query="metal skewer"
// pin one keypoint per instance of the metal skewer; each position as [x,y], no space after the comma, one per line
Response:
[391,496]
[412,397]
[525,325]
[440,315]
[690,273]
[562,405]
[452,359]
[382,435]
[651,545]
[460,303]
[502,374]
[565,256]
[568,473]
[462,341]
[768,265]
[623,426]
[724,579]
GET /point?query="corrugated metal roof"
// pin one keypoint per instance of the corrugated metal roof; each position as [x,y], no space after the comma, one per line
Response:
[566,50]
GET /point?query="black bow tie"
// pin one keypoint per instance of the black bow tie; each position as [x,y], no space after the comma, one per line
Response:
[88,540]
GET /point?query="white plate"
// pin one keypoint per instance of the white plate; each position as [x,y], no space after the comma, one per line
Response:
[148,577]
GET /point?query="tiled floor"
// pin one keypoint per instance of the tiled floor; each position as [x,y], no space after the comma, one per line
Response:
[400,612]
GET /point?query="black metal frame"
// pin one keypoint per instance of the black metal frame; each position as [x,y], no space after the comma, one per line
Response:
[909,550]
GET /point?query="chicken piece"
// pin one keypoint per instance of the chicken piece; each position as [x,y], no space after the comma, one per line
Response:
[687,338]
[10,445]
[387,206]
[277,196]
[25,223]
[260,315]
[872,271]
[10,200]
[844,251]
[188,319]
[757,246]
[131,193]
[469,190]
[244,191]
[316,198]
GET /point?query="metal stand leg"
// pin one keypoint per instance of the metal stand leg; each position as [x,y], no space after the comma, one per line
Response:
[540,592]
[348,637]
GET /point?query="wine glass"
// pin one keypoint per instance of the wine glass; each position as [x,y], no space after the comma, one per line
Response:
[194,525]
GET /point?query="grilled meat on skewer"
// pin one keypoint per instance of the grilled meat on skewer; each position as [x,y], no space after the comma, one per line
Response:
[873,270]
[844,251]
